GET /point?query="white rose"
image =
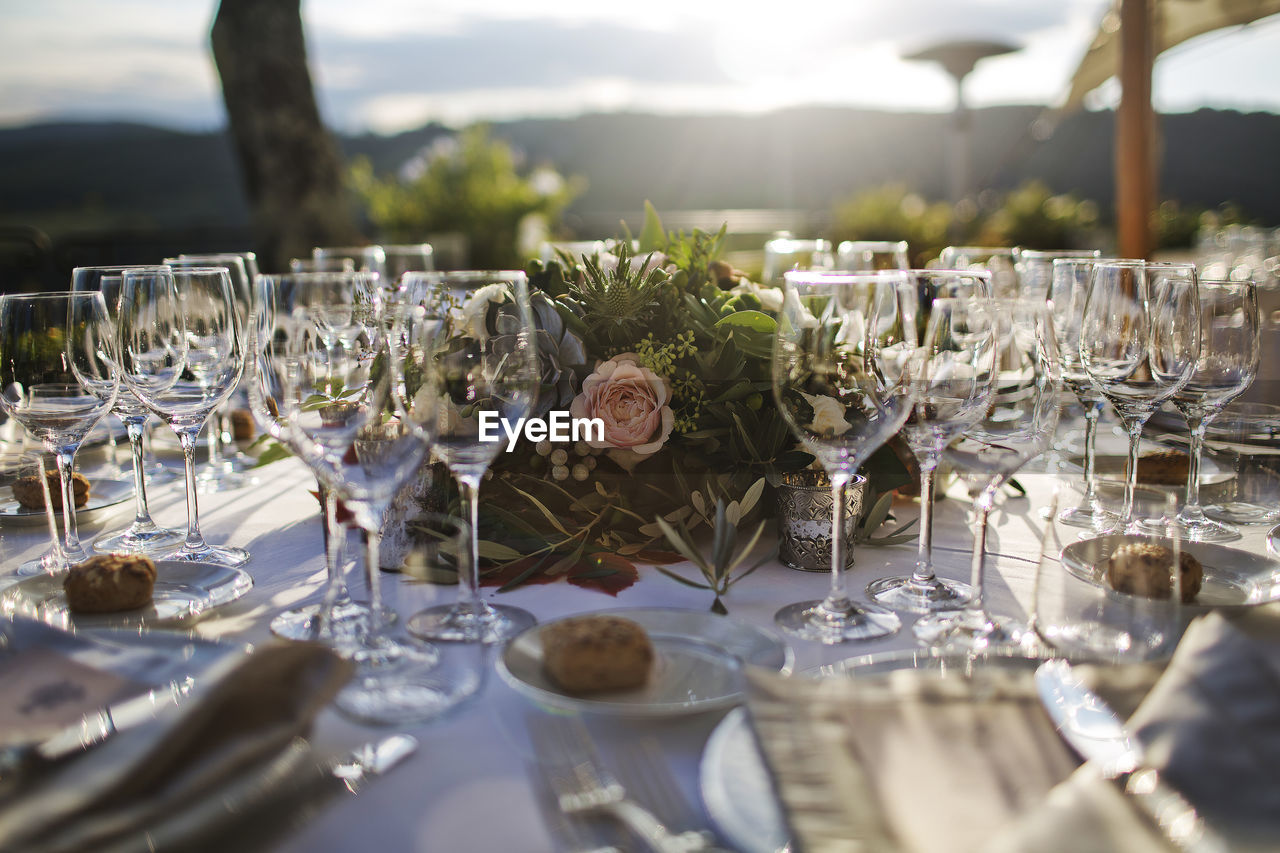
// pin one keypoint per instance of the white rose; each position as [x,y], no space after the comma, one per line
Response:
[770,297]
[798,314]
[477,306]
[828,415]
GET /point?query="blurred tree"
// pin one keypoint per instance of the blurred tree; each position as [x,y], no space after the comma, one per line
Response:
[291,167]
[472,184]
[1034,218]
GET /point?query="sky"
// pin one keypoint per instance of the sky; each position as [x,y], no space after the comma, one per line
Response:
[392,65]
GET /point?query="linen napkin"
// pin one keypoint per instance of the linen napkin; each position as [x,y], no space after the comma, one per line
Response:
[160,785]
[912,763]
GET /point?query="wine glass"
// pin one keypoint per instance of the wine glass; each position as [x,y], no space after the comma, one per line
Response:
[226,466]
[143,536]
[842,405]
[455,376]
[1017,426]
[1068,290]
[1230,350]
[59,376]
[321,265]
[997,260]
[953,380]
[785,252]
[1139,343]
[872,255]
[181,354]
[1034,268]
[364,258]
[409,257]
[32,464]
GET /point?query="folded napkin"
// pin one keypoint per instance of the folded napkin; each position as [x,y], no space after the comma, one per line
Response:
[161,785]
[909,762]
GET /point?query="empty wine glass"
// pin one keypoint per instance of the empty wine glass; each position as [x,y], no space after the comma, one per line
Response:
[1067,293]
[952,379]
[455,375]
[143,536]
[863,255]
[409,257]
[321,265]
[33,464]
[364,258]
[1139,343]
[1034,268]
[181,354]
[1017,426]
[59,376]
[785,252]
[1230,349]
[997,260]
[842,406]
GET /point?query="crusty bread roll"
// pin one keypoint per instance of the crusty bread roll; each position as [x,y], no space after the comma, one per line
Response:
[110,582]
[1167,467]
[27,491]
[589,654]
[1143,568]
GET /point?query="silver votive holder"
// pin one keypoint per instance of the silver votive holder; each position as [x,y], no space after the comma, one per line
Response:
[804,518]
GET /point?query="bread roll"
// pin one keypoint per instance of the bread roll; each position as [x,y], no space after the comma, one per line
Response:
[27,491]
[1143,568]
[109,583]
[589,654]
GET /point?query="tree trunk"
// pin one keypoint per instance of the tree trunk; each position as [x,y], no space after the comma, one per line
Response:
[292,170]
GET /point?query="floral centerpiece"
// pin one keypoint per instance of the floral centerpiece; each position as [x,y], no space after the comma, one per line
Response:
[669,347]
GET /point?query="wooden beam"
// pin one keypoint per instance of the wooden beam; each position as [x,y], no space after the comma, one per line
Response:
[1135,131]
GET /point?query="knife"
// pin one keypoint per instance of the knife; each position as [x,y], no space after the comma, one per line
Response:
[1096,732]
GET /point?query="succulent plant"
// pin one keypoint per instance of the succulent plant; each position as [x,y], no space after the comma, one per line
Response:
[561,355]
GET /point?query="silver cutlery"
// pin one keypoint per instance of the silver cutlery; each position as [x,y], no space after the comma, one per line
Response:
[1095,730]
[571,766]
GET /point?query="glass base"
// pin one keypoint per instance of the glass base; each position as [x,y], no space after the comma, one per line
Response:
[811,620]
[492,623]
[211,480]
[344,622]
[147,539]
[1199,530]
[908,594]
[223,555]
[1241,512]
[416,684]
[42,565]
[1084,516]
[1106,642]
[969,631]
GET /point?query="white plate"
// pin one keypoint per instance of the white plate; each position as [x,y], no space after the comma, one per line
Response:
[698,667]
[162,666]
[103,496]
[1111,468]
[943,663]
[737,791]
[1231,577]
[183,593]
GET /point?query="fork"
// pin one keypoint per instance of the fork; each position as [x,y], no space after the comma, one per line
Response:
[645,768]
[569,762]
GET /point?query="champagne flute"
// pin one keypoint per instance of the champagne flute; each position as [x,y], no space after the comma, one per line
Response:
[1017,427]
[456,375]
[1067,293]
[143,536]
[59,376]
[1230,350]
[842,405]
[1139,343]
[181,355]
[953,378]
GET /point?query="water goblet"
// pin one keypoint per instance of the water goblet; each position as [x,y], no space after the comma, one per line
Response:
[1018,425]
[181,355]
[455,376]
[953,380]
[143,536]
[1139,344]
[1230,350]
[1068,290]
[59,376]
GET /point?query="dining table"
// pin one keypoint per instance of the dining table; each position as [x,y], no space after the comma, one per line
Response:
[471,785]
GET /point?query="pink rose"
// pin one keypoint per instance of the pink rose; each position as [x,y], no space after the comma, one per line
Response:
[632,401]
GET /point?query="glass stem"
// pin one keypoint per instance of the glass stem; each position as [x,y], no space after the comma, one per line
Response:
[469,578]
[213,440]
[1130,472]
[142,514]
[1198,424]
[372,572]
[1091,414]
[72,549]
[977,605]
[924,550]
[333,552]
[187,437]
[837,600]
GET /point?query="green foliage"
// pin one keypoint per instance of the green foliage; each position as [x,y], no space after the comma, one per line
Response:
[1175,227]
[1033,217]
[469,183]
[618,303]
[718,570]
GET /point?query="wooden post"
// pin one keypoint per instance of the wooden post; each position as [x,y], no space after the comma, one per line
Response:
[1135,131]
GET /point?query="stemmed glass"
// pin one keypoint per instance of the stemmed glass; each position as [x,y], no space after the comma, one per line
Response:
[1034,268]
[997,260]
[823,360]
[143,536]
[953,380]
[1067,293]
[1230,349]
[1139,343]
[455,375]
[58,377]
[784,253]
[180,353]
[1017,427]
[872,255]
